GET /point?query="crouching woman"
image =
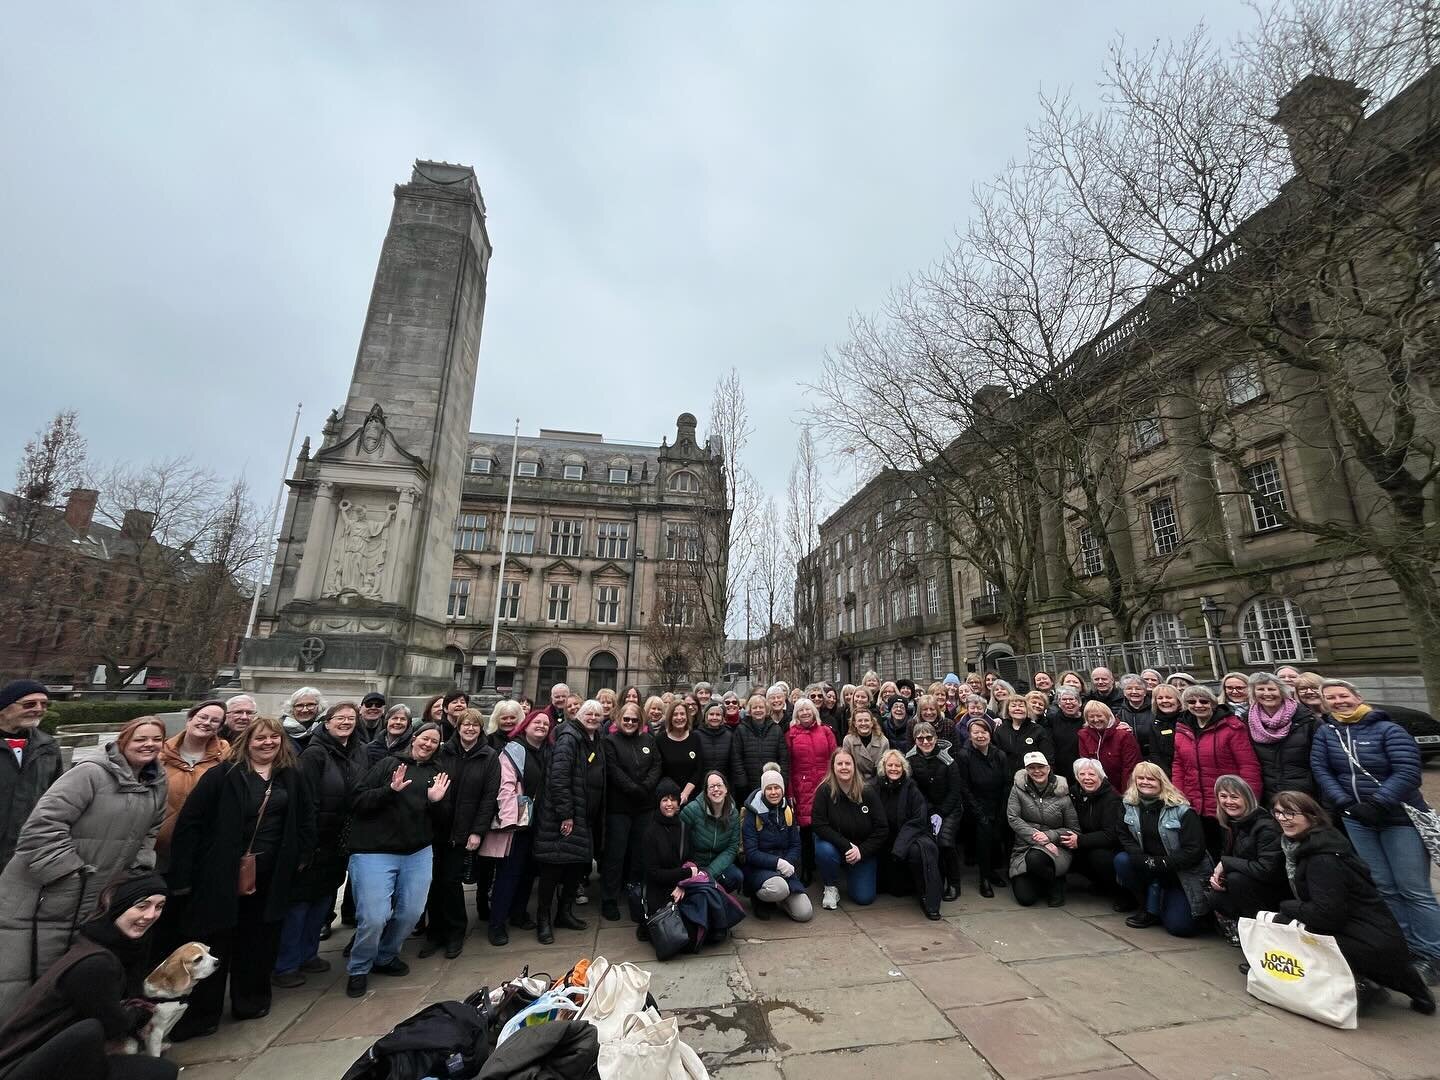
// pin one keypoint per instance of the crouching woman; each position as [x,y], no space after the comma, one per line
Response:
[770,837]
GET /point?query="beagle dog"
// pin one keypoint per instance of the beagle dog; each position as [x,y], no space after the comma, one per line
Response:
[170,982]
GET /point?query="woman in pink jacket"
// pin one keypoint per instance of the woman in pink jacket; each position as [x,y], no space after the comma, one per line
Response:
[1211,742]
[810,744]
[1110,742]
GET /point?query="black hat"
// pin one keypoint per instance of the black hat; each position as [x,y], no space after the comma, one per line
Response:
[667,789]
[373,699]
[14,691]
[131,890]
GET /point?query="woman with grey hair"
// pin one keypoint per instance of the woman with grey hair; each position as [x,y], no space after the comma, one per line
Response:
[305,706]
[1000,692]
[1249,876]
[1097,841]
[1210,742]
[394,736]
[1282,731]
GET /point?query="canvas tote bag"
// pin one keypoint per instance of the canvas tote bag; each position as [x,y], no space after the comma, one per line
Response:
[1298,971]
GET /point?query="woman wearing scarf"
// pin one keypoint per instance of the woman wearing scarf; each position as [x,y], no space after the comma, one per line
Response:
[1368,769]
[87,999]
[895,723]
[1282,730]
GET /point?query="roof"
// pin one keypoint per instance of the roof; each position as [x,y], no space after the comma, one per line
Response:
[99,541]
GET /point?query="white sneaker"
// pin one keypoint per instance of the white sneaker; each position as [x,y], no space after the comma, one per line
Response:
[830,898]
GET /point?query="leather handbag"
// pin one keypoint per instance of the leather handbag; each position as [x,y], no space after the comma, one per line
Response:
[668,932]
[245,877]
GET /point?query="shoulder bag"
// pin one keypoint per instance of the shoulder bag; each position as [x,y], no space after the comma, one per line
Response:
[666,928]
[1426,822]
[245,880]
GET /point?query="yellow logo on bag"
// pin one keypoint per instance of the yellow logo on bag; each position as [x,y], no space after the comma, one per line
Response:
[1283,966]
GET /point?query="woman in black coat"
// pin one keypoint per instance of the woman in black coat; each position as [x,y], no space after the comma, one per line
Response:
[1018,734]
[572,814]
[65,1025]
[632,768]
[256,803]
[394,737]
[1335,895]
[1250,874]
[717,744]
[1097,841]
[1281,730]
[467,759]
[1157,742]
[663,849]
[985,782]
[333,762]
[759,739]
[910,861]
[935,773]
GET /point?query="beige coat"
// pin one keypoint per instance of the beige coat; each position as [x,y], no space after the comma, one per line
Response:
[94,824]
[867,758]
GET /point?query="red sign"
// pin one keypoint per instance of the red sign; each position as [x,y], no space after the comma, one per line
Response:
[159,682]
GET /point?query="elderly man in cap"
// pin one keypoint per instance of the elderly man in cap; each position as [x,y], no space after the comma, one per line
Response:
[29,761]
[372,715]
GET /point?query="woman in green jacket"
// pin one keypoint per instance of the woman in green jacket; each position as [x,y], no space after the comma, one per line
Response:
[712,832]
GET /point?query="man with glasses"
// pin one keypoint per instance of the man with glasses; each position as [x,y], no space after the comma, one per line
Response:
[372,712]
[30,760]
[239,714]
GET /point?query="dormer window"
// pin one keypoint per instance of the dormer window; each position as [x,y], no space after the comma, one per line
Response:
[527,468]
[619,474]
[481,465]
[684,482]
[574,472]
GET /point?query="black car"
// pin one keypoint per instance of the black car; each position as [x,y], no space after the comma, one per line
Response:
[1422,725]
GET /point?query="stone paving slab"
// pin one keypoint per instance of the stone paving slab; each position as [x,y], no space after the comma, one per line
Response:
[802,964]
[924,941]
[808,1021]
[1255,1046]
[1034,1039]
[977,980]
[949,1059]
[1017,933]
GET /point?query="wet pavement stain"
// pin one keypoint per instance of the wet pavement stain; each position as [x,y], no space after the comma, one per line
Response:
[751,1020]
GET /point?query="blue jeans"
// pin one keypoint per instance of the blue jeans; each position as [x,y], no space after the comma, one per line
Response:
[731,878]
[1400,866]
[860,879]
[1161,894]
[300,933]
[390,892]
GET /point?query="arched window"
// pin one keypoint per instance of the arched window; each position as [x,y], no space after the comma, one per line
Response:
[685,482]
[604,673]
[1087,646]
[1274,630]
[554,667]
[1166,641]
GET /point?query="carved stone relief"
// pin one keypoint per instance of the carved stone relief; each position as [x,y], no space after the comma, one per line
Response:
[357,558]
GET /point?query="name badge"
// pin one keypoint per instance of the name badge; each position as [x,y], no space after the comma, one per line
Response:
[644,749]
[864,809]
[692,755]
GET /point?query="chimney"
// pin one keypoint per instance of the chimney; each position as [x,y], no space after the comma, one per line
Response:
[1317,115]
[80,509]
[987,400]
[137,525]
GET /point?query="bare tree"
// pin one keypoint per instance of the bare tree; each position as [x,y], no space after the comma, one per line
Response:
[1281,196]
[772,586]
[804,510]
[726,551]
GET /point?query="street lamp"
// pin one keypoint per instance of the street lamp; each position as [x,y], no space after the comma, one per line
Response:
[984,646]
[1213,615]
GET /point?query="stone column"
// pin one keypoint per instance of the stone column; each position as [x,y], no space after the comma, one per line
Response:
[398,550]
[1197,500]
[310,579]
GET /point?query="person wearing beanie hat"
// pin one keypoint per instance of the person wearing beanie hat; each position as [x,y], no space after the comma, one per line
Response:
[86,999]
[29,760]
[663,848]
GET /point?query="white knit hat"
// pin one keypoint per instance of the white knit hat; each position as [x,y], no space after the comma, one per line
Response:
[771,777]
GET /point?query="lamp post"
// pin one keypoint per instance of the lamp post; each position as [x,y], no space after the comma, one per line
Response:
[984,649]
[488,693]
[1213,614]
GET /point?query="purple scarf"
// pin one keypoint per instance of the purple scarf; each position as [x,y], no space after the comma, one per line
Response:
[1274,727]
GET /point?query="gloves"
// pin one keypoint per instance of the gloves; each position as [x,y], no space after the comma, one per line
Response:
[1366,813]
[786,869]
[1154,863]
[934,824]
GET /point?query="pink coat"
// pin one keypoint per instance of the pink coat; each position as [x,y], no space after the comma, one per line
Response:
[810,750]
[1202,758]
[1117,750]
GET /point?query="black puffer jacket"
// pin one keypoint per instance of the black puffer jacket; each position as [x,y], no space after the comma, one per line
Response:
[985,781]
[459,814]
[717,748]
[937,777]
[1335,895]
[1252,848]
[1064,740]
[756,742]
[1028,738]
[1158,746]
[632,769]
[907,818]
[569,787]
[333,772]
[1285,765]
[1101,814]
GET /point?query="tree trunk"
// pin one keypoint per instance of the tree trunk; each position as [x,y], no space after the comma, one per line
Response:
[1420,593]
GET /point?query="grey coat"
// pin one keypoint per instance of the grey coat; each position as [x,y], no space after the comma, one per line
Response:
[22,783]
[96,823]
[1048,812]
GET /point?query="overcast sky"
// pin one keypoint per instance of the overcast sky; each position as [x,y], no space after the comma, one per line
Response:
[194,197]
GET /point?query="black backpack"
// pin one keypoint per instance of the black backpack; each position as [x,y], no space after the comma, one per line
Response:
[450,1039]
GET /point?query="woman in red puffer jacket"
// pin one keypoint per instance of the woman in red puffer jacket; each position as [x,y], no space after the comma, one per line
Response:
[1211,742]
[810,744]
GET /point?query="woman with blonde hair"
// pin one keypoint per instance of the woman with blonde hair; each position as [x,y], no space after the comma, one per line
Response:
[1163,860]
[910,860]
[850,832]
[501,723]
[865,742]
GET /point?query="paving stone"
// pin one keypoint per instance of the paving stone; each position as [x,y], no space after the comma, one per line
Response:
[342,1017]
[1390,1038]
[1151,939]
[312,1059]
[923,941]
[240,1040]
[1128,991]
[1124,1072]
[728,1034]
[1027,1040]
[1215,963]
[767,1070]
[949,1059]
[1017,933]
[1253,1047]
[801,964]
[214,1070]
[825,924]
[809,1021]
[976,980]
[690,982]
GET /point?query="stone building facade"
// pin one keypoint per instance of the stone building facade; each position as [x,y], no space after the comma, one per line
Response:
[601,566]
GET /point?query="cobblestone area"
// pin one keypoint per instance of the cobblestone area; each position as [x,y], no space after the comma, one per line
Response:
[992,990]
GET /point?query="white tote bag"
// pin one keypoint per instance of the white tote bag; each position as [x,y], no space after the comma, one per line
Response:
[616,991]
[1301,972]
[650,1048]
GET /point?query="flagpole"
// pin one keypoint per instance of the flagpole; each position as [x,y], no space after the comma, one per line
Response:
[274,526]
[489,687]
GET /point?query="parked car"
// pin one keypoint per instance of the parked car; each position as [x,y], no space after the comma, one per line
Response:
[1422,725]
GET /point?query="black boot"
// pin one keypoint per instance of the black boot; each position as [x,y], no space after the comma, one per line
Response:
[952,891]
[986,889]
[566,920]
[544,932]
[1057,893]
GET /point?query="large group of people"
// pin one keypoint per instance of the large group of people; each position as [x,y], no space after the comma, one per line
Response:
[1188,809]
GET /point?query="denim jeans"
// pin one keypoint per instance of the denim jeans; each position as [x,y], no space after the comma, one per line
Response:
[390,892]
[1400,866]
[300,933]
[1160,894]
[731,878]
[860,879]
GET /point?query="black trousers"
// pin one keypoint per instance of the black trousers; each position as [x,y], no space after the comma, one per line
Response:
[917,873]
[446,922]
[992,842]
[562,877]
[78,1053]
[1214,836]
[1098,866]
[1243,896]
[514,877]
[246,952]
[1037,880]
[620,861]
